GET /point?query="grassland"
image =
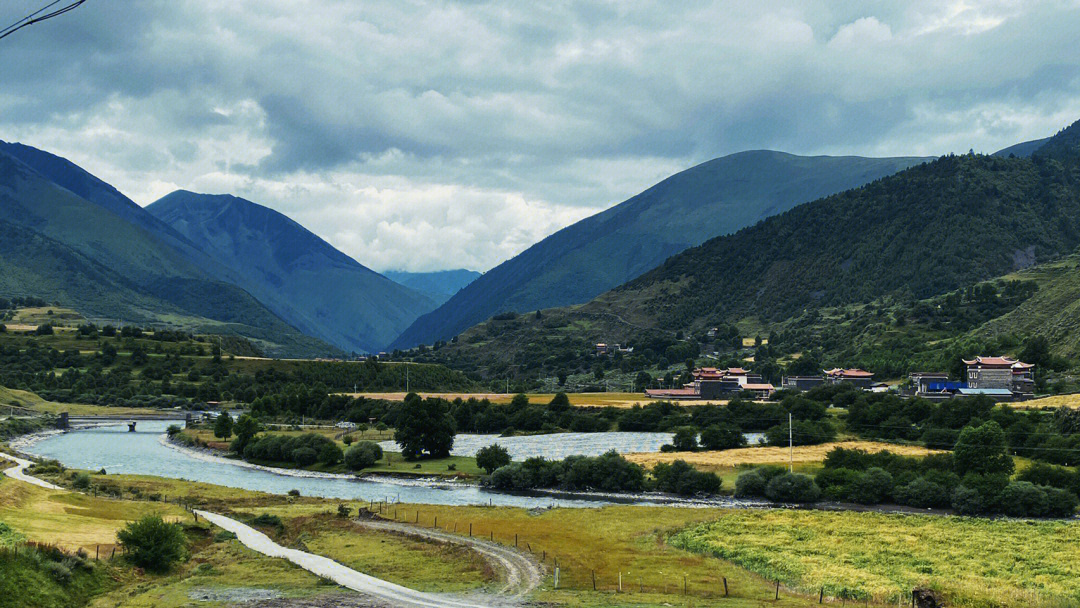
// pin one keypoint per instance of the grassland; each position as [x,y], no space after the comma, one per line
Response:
[1072,401]
[29,400]
[974,562]
[723,459]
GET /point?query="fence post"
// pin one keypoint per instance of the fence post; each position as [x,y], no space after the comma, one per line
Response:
[470,529]
[436,524]
[777,589]
[515,541]
[821,596]
[684,584]
[725,586]
[97,552]
[594,580]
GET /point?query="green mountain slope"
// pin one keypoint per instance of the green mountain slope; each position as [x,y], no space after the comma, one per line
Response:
[299,276]
[63,247]
[605,250]
[929,230]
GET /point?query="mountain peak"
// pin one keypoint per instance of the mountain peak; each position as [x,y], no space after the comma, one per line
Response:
[1065,145]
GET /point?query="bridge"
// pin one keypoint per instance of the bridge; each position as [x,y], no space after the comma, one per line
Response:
[66,420]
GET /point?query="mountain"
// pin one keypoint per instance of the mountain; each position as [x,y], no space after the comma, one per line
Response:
[438,286]
[302,278]
[929,230]
[60,246]
[600,252]
[1023,149]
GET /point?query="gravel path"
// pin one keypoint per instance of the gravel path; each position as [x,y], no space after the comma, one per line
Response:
[393,594]
[522,572]
[17,472]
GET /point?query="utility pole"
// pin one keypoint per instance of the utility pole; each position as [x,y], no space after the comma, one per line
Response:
[406,378]
[790,446]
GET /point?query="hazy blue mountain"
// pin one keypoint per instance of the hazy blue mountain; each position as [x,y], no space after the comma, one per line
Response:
[617,245]
[1023,149]
[296,274]
[438,285]
[60,246]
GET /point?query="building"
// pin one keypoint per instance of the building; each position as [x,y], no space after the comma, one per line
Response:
[802,383]
[860,378]
[713,383]
[602,349]
[1001,373]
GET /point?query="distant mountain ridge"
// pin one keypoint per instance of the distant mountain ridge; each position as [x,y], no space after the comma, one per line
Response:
[105,260]
[302,278]
[439,285]
[603,251]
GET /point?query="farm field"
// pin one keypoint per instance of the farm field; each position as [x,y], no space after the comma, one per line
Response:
[974,562]
[618,400]
[719,460]
[1072,401]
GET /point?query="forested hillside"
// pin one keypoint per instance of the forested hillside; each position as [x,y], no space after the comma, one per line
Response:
[605,250]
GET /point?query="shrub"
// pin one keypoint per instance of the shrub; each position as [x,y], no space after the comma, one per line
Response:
[1024,499]
[173,430]
[923,494]
[989,488]
[837,483]
[685,439]
[267,519]
[683,479]
[722,437]
[1059,502]
[752,483]
[492,457]
[362,455]
[294,492]
[81,481]
[153,544]
[872,487]
[331,454]
[304,456]
[343,510]
[967,501]
[792,487]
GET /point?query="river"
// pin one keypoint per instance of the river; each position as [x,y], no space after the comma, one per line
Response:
[144,452]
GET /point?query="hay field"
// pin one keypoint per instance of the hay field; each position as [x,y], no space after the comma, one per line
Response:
[1053,401]
[725,459]
[880,557]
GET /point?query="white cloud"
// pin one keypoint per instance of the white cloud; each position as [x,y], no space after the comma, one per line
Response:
[440,134]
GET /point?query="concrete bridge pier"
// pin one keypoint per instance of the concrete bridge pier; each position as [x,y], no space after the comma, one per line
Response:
[131,426]
[63,423]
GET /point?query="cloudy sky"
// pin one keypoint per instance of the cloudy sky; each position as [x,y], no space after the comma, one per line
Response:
[428,135]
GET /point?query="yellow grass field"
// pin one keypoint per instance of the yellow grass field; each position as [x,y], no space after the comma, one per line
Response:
[1054,401]
[69,519]
[973,561]
[770,455]
[26,399]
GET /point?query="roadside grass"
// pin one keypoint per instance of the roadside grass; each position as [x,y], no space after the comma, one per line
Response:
[973,561]
[409,561]
[607,541]
[71,520]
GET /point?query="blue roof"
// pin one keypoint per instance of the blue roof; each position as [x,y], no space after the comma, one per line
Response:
[946,386]
[999,392]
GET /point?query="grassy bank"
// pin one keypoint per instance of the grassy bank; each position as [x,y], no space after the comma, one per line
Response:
[974,562]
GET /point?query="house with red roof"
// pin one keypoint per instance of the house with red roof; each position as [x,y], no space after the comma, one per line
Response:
[857,377]
[1001,373]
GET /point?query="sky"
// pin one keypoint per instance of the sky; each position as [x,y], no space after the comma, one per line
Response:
[434,135]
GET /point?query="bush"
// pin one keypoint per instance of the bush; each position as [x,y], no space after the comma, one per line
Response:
[685,439]
[492,457]
[362,455]
[304,456]
[967,501]
[872,487]
[683,479]
[1059,502]
[267,520]
[752,483]
[837,483]
[922,494]
[331,454]
[1024,499]
[152,544]
[722,437]
[792,487]
[81,481]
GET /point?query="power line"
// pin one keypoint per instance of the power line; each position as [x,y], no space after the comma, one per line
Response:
[38,17]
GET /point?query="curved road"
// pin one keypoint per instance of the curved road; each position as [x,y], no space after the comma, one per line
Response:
[18,472]
[391,593]
[523,574]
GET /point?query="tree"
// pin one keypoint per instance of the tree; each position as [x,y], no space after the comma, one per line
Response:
[244,429]
[362,455]
[792,487]
[492,457]
[722,437]
[681,478]
[562,377]
[153,544]
[685,439]
[982,450]
[223,426]
[425,427]
[559,403]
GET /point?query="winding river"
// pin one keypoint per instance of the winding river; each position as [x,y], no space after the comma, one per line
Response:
[145,452]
